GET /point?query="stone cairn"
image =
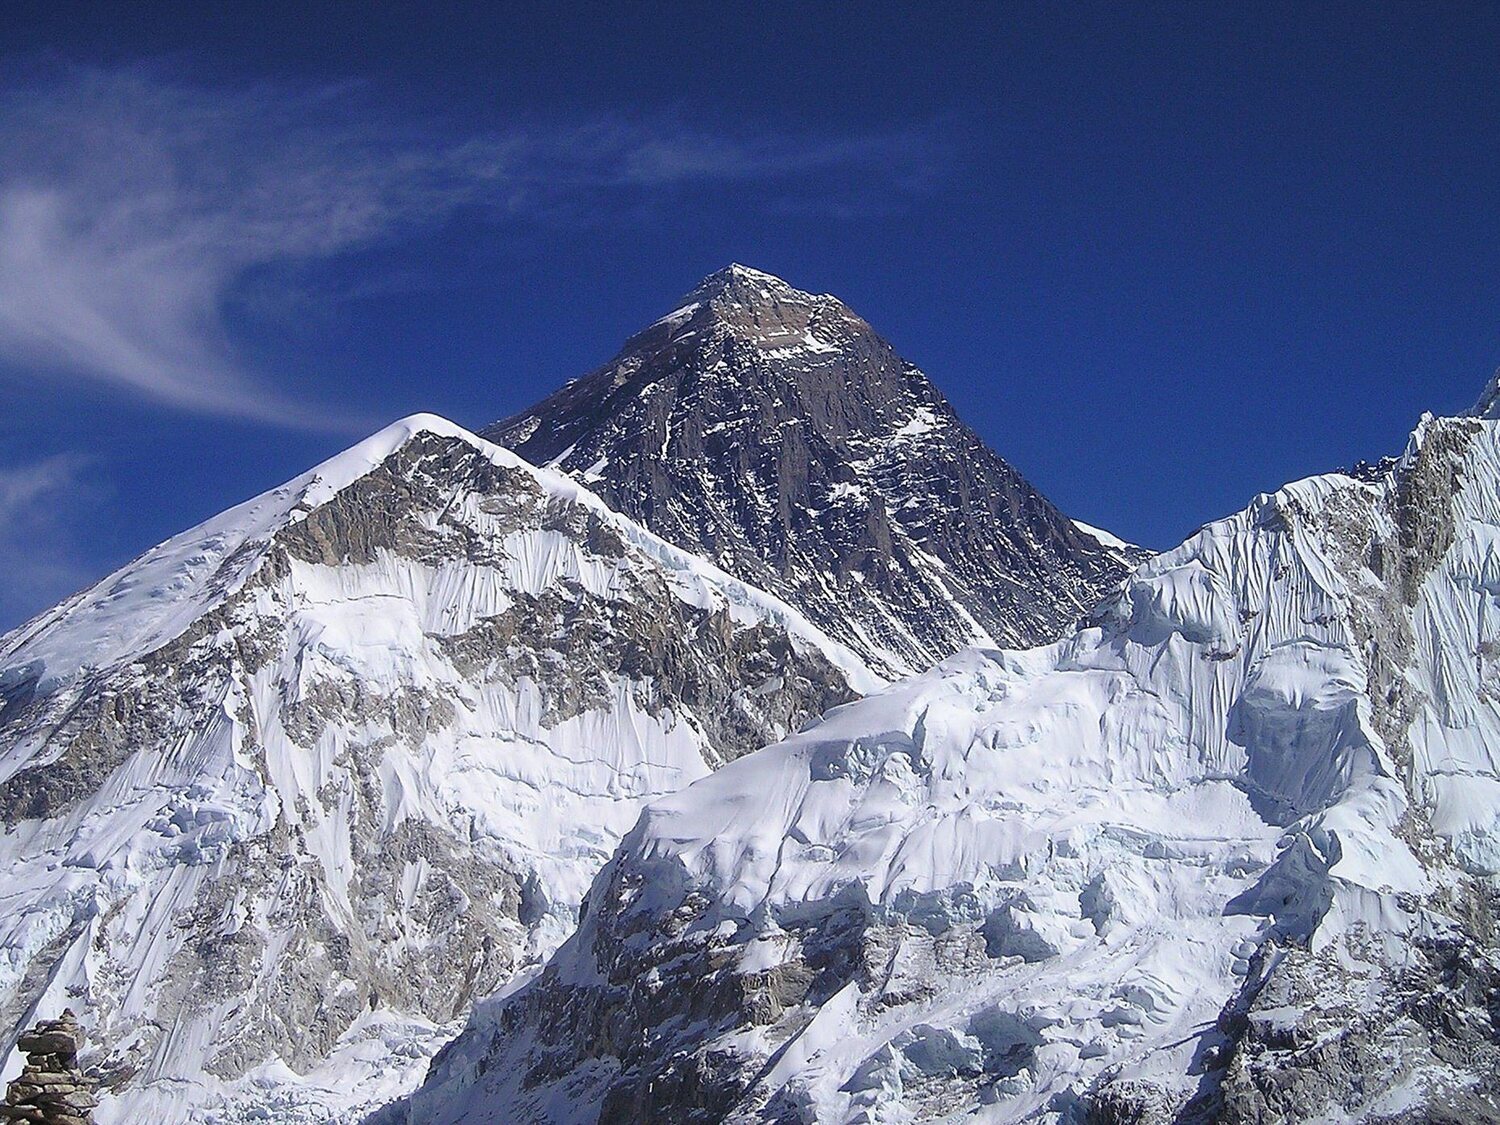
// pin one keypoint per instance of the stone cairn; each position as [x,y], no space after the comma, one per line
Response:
[51,1090]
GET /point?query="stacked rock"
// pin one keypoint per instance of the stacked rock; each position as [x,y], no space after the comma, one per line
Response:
[51,1090]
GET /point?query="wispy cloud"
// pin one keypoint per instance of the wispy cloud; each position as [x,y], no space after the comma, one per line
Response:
[131,205]
[38,505]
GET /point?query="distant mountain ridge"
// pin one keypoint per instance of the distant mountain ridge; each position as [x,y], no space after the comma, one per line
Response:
[774,432]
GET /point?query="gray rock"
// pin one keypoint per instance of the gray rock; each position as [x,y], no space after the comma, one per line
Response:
[437,914]
[50,1090]
[644,1017]
[774,432]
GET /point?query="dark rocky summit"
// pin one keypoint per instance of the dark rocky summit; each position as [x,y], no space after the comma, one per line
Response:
[774,432]
[50,1089]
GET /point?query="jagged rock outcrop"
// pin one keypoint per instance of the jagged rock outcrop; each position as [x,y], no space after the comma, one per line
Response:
[1229,852]
[51,1090]
[285,795]
[774,432]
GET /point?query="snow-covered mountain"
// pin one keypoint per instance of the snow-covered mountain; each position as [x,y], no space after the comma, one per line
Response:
[288,792]
[774,432]
[1227,852]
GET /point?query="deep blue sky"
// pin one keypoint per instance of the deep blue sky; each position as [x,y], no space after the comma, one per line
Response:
[1162,259]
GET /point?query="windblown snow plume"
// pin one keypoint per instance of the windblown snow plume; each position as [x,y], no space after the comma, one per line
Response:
[1228,852]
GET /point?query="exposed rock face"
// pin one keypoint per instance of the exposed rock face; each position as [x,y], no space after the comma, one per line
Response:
[302,783]
[50,1089]
[774,432]
[1231,852]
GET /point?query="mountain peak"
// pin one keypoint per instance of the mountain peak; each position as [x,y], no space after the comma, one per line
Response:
[746,284]
[754,308]
[774,432]
[425,683]
[750,305]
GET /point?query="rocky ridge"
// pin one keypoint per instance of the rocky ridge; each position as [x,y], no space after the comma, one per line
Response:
[1229,852]
[286,794]
[774,432]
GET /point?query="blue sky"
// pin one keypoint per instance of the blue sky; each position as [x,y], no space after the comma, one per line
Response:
[1161,258]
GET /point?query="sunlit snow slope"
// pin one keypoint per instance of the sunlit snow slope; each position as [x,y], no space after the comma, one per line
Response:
[285,794]
[1226,853]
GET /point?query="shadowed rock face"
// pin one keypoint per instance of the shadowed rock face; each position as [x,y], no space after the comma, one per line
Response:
[774,432]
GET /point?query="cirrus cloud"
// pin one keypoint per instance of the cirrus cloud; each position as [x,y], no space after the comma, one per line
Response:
[132,204]
[38,548]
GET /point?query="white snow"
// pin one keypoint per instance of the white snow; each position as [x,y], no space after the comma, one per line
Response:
[1104,538]
[813,344]
[1133,811]
[154,598]
[116,881]
[678,316]
[922,421]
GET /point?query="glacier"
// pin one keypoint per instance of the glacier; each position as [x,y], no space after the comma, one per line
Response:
[284,795]
[1227,852]
[433,742]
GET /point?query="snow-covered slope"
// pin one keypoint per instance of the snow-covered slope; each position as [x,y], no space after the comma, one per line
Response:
[1126,552]
[1228,852]
[774,432]
[285,794]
